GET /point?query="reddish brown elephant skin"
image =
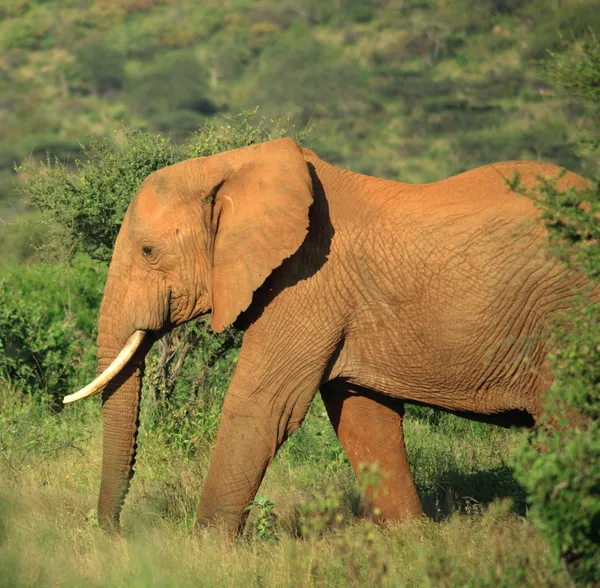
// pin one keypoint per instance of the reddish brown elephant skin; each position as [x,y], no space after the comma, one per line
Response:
[377,292]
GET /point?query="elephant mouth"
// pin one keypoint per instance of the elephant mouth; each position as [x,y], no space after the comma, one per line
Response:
[122,359]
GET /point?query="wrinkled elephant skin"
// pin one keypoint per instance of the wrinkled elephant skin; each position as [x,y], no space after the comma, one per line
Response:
[375,292]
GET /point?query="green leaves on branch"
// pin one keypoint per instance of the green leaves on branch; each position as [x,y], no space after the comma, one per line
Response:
[46,318]
[563,480]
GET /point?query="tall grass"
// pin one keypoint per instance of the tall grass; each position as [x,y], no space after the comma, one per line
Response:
[49,535]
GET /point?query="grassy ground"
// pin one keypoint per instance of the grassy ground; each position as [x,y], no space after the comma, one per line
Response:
[49,473]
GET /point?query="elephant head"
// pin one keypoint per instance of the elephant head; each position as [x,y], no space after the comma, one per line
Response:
[199,236]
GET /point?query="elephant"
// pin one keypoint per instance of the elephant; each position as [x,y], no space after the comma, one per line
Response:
[374,292]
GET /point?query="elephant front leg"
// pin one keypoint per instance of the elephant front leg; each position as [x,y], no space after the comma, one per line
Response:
[253,427]
[370,432]
[246,445]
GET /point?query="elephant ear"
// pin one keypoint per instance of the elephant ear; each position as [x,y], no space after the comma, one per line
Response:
[260,219]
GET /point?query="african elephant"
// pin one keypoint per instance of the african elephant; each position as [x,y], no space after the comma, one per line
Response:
[373,291]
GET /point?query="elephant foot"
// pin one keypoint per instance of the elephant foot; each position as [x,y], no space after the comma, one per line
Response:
[210,519]
[110,526]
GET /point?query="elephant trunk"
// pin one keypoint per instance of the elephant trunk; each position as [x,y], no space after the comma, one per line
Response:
[120,419]
[120,406]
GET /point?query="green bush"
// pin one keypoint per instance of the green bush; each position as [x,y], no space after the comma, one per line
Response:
[88,203]
[47,324]
[577,72]
[563,482]
[450,115]
[20,239]
[360,10]
[476,15]
[412,86]
[187,375]
[30,31]
[232,54]
[546,140]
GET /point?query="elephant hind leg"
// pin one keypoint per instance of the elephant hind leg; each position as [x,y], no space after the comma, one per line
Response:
[371,432]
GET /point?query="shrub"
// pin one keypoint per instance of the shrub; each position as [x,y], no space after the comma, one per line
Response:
[20,239]
[47,322]
[452,115]
[360,10]
[87,204]
[233,52]
[563,482]
[475,15]
[578,72]
[29,31]
[412,86]
[546,140]
[187,375]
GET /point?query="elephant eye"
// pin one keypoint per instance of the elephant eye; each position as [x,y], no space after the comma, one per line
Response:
[146,250]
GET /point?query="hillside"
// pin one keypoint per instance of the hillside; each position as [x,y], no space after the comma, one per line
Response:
[413,90]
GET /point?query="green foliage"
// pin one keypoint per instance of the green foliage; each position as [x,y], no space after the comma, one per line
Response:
[360,10]
[546,140]
[563,481]
[475,15]
[20,239]
[578,72]
[360,70]
[30,32]
[322,513]
[178,125]
[187,375]
[46,317]
[264,527]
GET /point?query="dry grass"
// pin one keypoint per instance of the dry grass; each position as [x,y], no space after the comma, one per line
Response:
[48,540]
[49,536]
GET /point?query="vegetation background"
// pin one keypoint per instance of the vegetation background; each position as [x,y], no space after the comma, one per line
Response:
[414,90]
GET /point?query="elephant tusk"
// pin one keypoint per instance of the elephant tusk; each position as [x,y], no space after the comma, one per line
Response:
[111,371]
